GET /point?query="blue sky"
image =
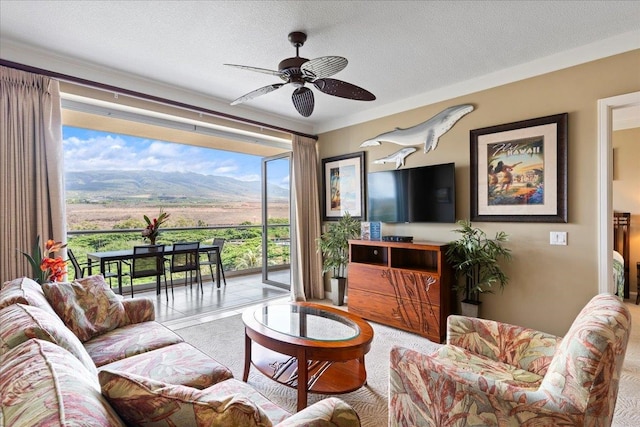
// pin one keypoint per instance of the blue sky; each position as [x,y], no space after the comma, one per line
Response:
[96,150]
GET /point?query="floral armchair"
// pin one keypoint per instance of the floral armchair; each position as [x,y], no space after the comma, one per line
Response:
[490,373]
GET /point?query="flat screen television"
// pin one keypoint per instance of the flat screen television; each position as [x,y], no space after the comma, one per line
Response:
[422,194]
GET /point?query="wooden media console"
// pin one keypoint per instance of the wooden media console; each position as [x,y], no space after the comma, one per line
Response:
[403,285]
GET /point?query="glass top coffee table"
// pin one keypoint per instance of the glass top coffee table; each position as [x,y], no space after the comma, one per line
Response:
[327,343]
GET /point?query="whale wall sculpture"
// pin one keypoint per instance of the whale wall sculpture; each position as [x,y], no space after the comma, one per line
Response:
[427,133]
[397,157]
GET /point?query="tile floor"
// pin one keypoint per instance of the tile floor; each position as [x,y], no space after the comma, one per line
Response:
[189,306]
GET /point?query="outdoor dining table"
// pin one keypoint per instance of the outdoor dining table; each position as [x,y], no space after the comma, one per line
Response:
[127,254]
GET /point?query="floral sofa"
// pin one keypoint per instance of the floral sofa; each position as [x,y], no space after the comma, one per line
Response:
[77,354]
[493,374]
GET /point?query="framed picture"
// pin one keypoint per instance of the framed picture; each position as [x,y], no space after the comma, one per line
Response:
[519,171]
[343,180]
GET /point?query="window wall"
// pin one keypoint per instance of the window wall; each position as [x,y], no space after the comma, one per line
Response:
[123,162]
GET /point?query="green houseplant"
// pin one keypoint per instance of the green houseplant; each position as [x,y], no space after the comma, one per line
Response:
[475,258]
[334,245]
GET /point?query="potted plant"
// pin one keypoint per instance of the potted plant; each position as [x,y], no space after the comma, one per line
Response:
[475,258]
[334,245]
[152,230]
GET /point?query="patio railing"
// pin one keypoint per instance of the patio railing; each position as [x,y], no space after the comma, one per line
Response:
[242,253]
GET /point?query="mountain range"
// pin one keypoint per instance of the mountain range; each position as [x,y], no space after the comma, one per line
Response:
[100,186]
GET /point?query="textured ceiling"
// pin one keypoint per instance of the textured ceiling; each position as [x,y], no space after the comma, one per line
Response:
[398,50]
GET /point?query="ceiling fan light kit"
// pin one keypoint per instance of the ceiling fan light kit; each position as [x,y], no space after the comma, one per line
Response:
[298,71]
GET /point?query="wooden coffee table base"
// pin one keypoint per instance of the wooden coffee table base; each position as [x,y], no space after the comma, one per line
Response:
[326,367]
[324,377]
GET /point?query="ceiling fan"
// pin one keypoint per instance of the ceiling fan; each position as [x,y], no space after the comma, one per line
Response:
[299,71]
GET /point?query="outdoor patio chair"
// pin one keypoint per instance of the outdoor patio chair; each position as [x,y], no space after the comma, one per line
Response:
[81,268]
[147,261]
[212,259]
[185,259]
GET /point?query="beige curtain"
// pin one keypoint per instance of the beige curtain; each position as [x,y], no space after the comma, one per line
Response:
[31,168]
[306,265]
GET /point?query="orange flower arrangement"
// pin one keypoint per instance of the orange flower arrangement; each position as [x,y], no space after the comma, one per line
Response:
[47,268]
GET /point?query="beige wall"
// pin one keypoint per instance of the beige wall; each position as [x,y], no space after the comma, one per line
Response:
[626,189]
[549,284]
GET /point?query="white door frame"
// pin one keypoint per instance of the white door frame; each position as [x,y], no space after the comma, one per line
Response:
[605,185]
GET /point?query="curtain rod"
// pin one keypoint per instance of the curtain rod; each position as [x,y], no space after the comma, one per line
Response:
[145,96]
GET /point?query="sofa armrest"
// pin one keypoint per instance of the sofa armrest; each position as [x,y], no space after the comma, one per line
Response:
[330,412]
[138,310]
[524,348]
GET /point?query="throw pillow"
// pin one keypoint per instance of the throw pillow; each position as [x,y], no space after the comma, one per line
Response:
[21,322]
[24,291]
[143,401]
[42,384]
[87,306]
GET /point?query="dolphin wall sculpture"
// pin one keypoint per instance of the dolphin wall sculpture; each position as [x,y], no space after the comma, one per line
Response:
[397,157]
[428,132]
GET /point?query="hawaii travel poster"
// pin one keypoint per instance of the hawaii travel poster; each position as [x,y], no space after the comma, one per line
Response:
[519,171]
[515,172]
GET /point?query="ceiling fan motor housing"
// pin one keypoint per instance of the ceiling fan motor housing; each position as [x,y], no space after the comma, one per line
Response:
[290,67]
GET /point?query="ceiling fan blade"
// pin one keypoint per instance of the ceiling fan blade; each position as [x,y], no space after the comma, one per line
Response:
[303,101]
[257,92]
[324,66]
[259,70]
[343,89]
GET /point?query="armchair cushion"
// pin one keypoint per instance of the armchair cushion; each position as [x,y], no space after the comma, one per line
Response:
[524,348]
[474,368]
[142,401]
[87,306]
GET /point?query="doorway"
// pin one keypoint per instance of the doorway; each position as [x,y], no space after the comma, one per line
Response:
[606,108]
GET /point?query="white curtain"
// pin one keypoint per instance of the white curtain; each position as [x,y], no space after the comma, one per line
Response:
[31,168]
[306,265]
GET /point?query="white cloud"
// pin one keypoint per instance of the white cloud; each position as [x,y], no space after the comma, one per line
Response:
[122,152]
[224,170]
[249,178]
[165,149]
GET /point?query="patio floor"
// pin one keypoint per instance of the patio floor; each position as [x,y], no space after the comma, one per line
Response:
[189,306]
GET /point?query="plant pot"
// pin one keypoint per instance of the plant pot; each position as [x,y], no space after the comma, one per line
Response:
[470,308]
[338,285]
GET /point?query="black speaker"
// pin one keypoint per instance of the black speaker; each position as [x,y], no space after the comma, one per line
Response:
[404,239]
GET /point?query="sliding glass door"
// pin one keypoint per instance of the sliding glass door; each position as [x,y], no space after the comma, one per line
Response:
[276,221]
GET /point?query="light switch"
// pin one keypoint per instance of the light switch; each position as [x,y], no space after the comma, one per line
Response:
[558,238]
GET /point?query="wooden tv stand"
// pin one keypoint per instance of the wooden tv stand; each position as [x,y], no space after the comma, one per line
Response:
[403,285]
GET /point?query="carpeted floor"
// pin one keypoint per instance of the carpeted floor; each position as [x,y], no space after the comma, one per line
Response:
[224,341]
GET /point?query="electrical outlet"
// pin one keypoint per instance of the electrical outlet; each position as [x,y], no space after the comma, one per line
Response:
[558,238]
